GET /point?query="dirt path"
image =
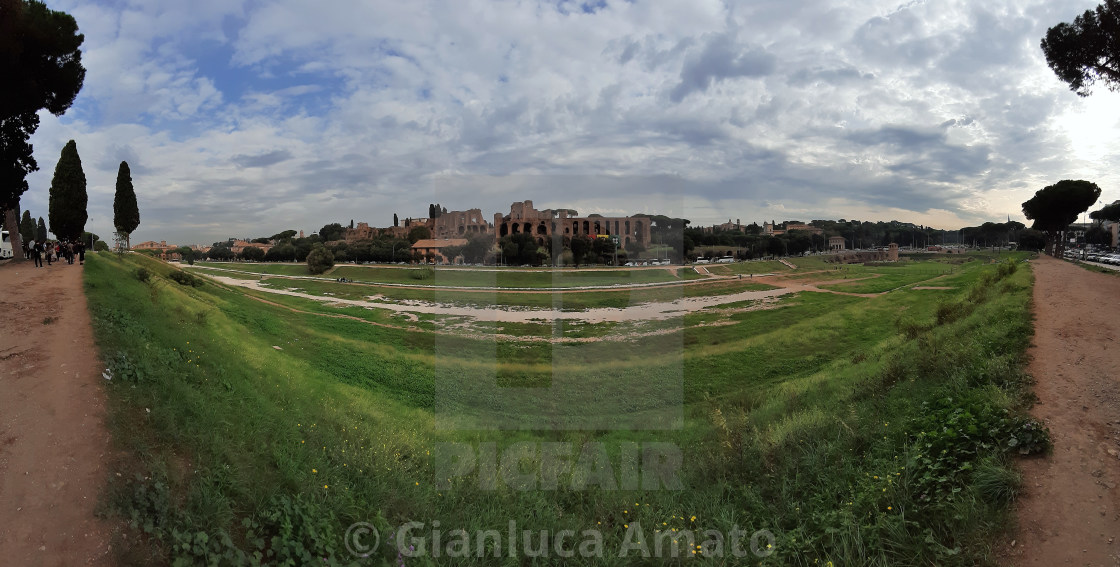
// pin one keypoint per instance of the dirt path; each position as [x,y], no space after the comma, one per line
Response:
[1070,511]
[53,443]
[508,314]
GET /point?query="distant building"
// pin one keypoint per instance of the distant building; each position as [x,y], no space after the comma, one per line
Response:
[163,250]
[836,243]
[726,227]
[524,219]
[237,246]
[362,232]
[460,224]
[435,246]
[772,229]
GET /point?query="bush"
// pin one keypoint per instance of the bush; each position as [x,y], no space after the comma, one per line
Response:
[953,433]
[143,275]
[183,278]
[320,260]
[423,273]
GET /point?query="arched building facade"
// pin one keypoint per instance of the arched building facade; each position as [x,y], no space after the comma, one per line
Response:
[524,219]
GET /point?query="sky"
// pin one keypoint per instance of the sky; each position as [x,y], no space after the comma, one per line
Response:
[243,118]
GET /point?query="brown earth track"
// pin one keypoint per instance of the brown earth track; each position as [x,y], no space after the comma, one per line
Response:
[1069,513]
[53,442]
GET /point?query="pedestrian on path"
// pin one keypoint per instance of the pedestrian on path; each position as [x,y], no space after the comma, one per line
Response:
[37,253]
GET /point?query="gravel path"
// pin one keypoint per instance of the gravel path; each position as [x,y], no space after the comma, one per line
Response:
[53,442]
[1070,511]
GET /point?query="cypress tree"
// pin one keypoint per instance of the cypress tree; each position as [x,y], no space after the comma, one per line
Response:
[126,214]
[27,227]
[68,199]
[41,231]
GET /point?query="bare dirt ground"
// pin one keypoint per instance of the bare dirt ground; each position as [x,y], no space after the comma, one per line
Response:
[53,442]
[1070,511]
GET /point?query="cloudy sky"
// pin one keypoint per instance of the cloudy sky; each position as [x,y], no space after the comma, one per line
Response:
[245,117]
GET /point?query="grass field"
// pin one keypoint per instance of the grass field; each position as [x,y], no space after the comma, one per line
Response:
[459,277]
[857,431]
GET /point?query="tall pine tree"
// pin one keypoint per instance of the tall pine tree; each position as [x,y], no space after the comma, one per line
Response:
[42,69]
[41,231]
[27,227]
[68,199]
[126,214]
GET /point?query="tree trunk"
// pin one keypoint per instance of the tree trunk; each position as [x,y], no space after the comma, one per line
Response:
[11,220]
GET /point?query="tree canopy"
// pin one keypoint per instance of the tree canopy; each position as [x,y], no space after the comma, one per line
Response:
[319,260]
[332,231]
[27,227]
[1087,50]
[1055,207]
[418,233]
[68,198]
[41,231]
[252,253]
[126,214]
[41,66]
[1110,212]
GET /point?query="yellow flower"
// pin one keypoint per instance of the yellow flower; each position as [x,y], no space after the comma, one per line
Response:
[325,486]
[313,471]
[889,508]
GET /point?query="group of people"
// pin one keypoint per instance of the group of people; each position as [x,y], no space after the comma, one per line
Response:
[58,250]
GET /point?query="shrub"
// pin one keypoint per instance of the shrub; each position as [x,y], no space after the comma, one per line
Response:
[423,273]
[952,433]
[183,278]
[1006,268]
[949,312]
[143,275]
[320,260]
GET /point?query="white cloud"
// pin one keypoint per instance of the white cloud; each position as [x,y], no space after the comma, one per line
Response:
[942,113]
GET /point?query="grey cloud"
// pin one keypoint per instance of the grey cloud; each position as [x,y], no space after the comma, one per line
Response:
[834,76]
[262,160]
[115,154]
[925,153]
[721,58]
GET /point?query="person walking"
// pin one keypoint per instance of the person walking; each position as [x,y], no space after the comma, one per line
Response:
[81,253]
[50,252]
[37,253]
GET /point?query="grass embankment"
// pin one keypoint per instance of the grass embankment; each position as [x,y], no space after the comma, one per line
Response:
[463,277]
[859,431]
[572,300]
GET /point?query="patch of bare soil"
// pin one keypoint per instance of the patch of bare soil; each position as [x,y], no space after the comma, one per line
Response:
[1070,511]
[53,442]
